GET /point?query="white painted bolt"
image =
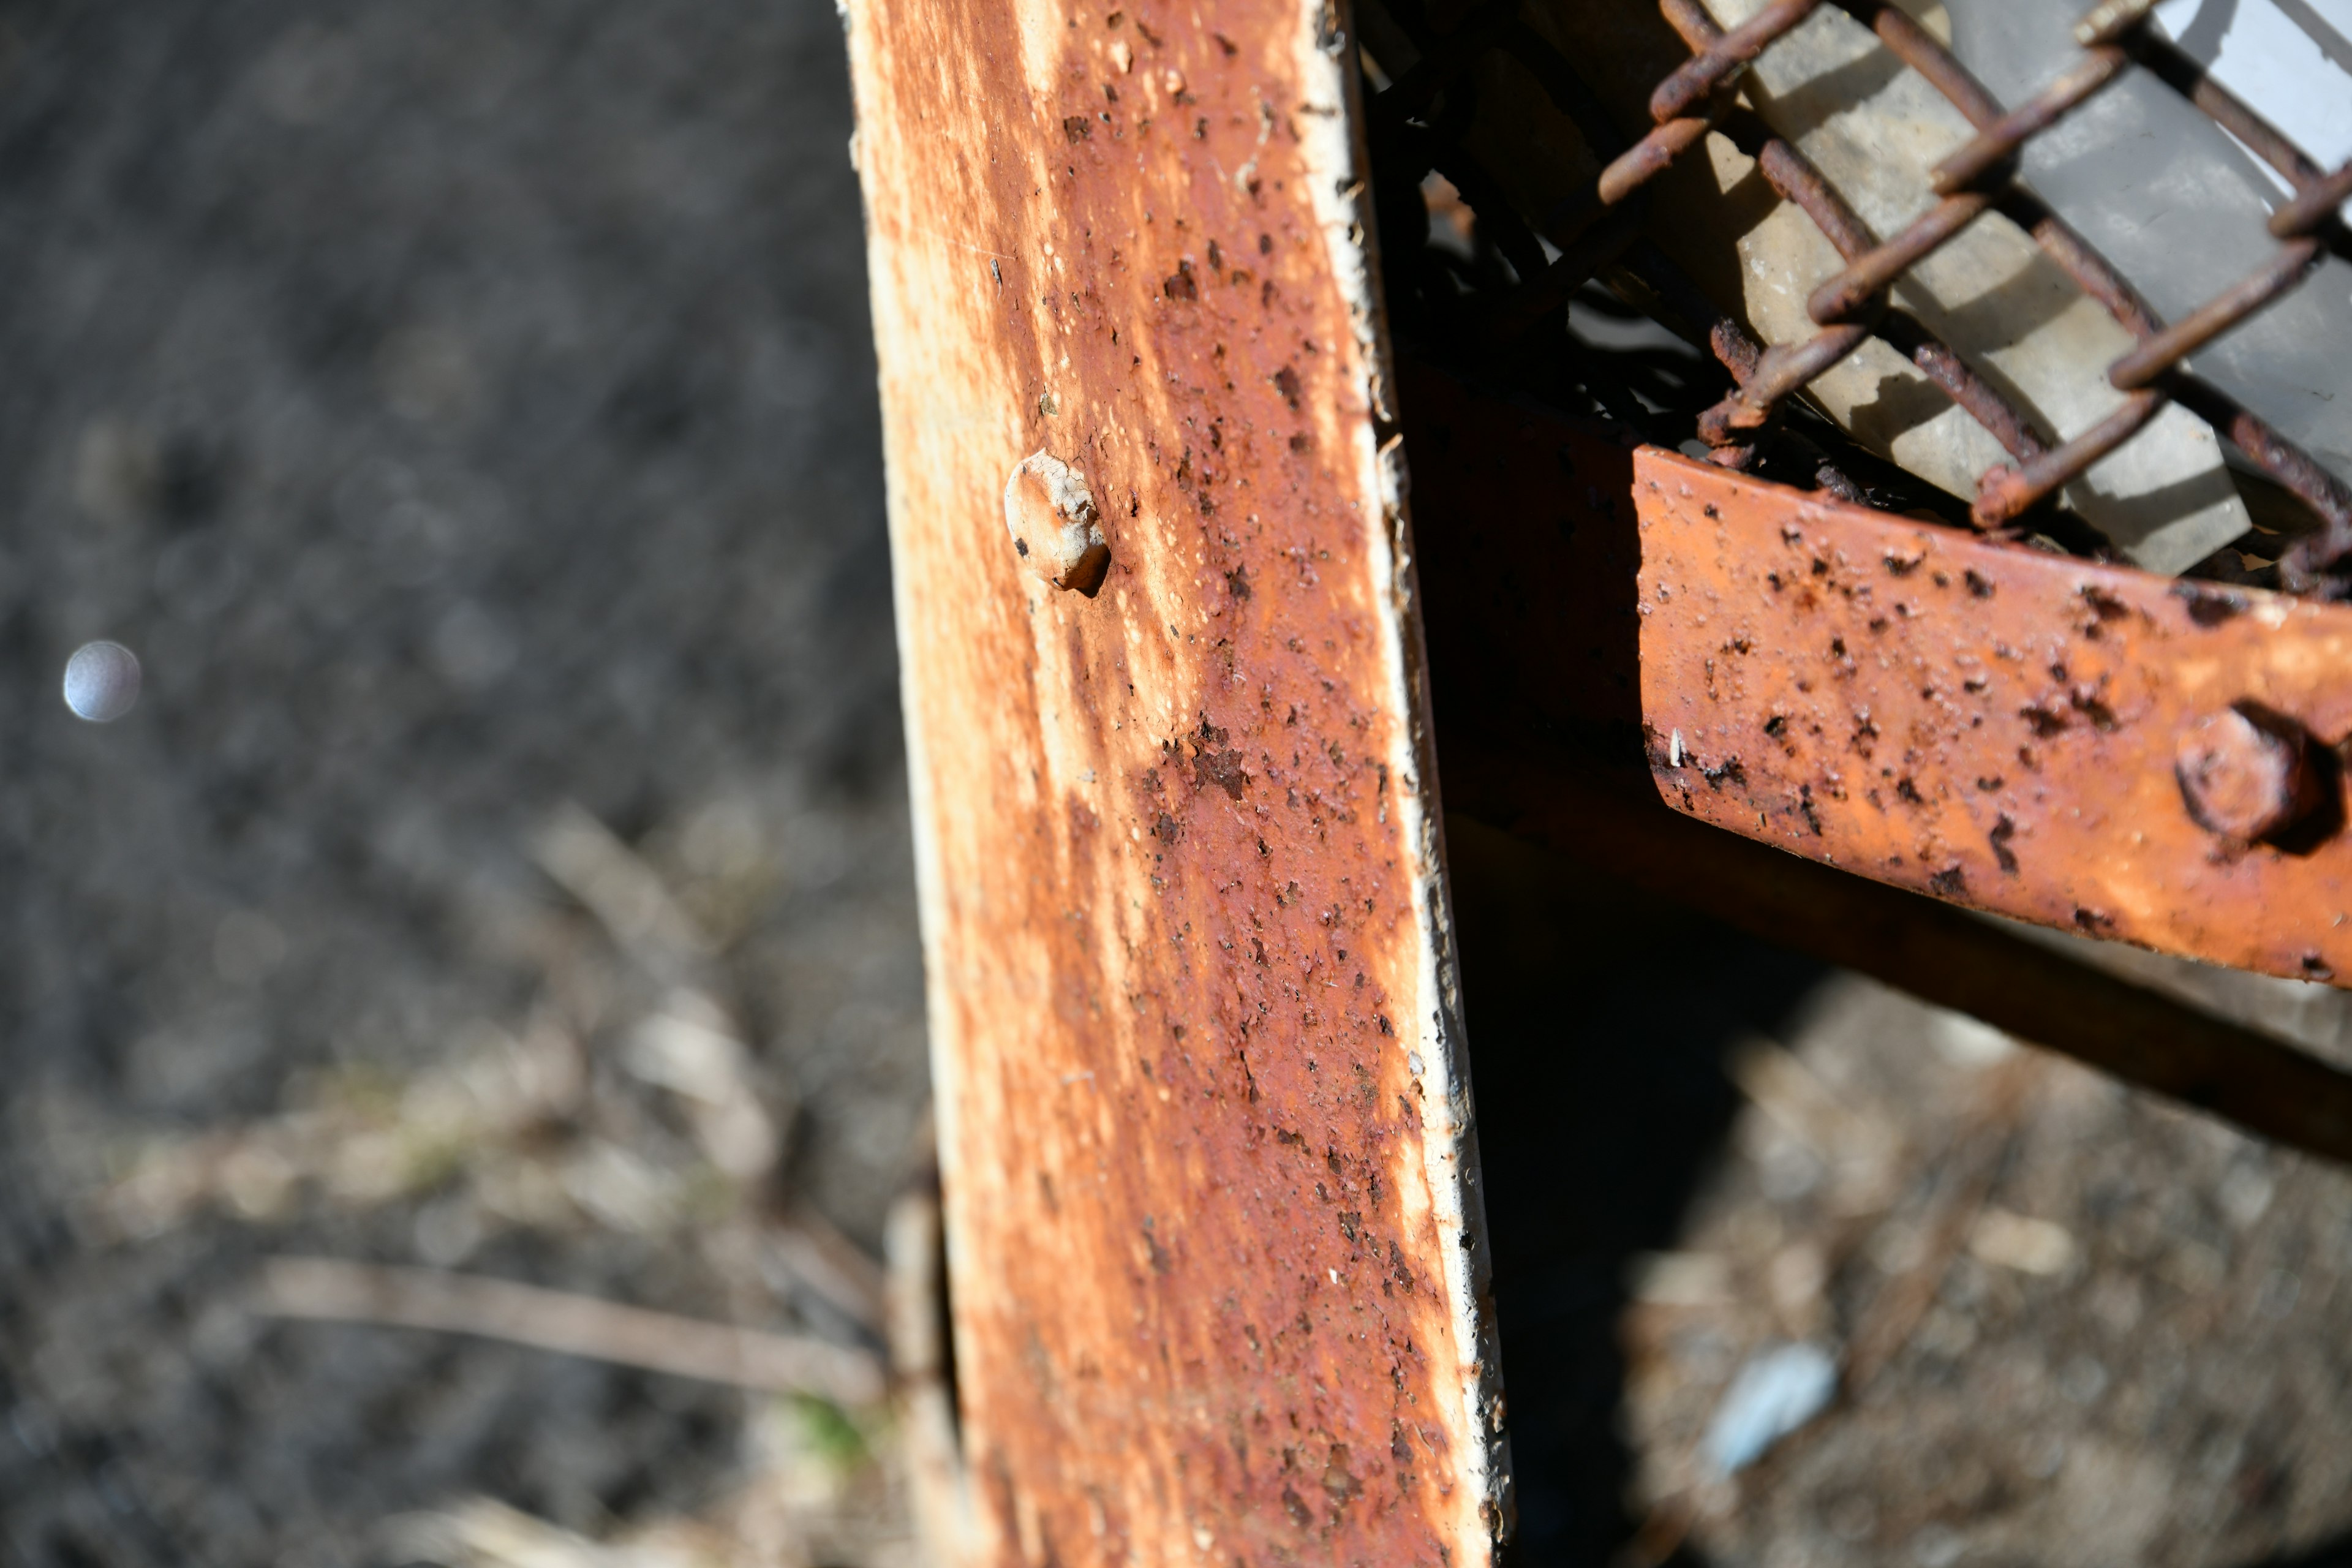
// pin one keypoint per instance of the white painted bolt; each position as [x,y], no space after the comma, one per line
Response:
[101,681]
[1055,526]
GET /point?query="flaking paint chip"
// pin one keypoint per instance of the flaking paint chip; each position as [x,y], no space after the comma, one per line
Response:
[1055,526]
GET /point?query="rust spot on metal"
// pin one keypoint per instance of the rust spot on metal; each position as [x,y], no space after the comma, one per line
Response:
[2210,606]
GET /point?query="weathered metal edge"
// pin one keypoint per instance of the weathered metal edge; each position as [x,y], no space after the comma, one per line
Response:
[1339,151]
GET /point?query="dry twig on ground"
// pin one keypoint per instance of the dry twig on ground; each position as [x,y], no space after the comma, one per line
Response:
[325,1288]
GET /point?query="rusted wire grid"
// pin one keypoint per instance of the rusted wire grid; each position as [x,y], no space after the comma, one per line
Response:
[1599,226]
[2116,33]
[1989,159]
[1713,66]
[1590,234]
[2127,28]
[2152,372]
[1871,268]
[1793,176]
[1592,228]
[1764,381]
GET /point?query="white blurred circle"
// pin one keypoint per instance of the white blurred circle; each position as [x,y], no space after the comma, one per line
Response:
[101,681]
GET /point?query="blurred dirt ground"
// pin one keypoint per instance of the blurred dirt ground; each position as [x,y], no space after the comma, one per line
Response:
[465,411]
[2070,1322]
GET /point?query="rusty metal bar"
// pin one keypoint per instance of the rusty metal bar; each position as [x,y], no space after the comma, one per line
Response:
[2315,207]
[1983,723]
[2007,493]
[2159,353]
[1999,143]
[1725,57]
[1509,665]
[1209,1180]
[1996,726]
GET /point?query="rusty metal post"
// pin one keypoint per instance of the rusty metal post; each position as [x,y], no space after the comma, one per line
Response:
[1211,1200]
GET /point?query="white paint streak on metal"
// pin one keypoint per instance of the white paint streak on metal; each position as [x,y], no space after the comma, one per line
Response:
[1450,1163]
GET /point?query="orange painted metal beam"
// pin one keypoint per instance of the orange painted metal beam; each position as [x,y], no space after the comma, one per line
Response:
[1210,1186]
[2129,756]
[1532,557]
[2125,756]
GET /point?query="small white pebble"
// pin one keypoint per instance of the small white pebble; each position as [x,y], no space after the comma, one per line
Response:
[101,681]
[1775,1392]
[1937,1546]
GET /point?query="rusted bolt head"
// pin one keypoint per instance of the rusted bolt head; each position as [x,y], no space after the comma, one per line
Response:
[1054,523]
[2247,773]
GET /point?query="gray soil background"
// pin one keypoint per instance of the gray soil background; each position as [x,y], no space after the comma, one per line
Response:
[465,411]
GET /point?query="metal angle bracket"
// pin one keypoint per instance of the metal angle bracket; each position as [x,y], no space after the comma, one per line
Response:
[1213,1233]
[2154,760]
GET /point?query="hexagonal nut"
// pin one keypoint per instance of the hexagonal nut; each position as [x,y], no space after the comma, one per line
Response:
[2246,772]
[1055,526]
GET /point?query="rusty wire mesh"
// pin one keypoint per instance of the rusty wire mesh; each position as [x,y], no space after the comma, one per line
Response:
[1598,227]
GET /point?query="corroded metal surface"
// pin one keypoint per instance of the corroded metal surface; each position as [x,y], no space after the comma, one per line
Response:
[1924,295]
[2022,732]
[1209,1186]
[1528,553]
